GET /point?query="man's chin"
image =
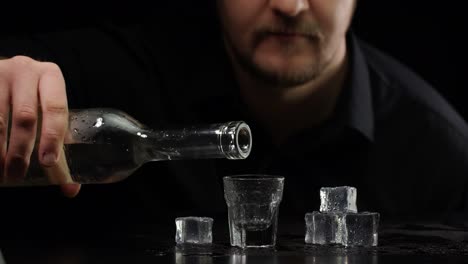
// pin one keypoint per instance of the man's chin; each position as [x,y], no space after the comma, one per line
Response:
[285,76]
[274,71]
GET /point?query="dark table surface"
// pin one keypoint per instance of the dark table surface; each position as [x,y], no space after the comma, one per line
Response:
[415,242]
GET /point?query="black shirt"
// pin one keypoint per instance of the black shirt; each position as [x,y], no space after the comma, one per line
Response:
[392,136]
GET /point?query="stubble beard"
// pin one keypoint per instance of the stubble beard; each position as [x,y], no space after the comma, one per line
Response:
[269,76]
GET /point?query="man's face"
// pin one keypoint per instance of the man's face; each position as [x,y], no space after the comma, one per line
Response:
[286,42]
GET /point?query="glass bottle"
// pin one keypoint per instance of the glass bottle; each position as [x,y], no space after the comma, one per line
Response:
[107,145]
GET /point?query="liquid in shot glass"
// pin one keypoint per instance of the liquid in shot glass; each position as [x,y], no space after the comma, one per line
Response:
[253,207]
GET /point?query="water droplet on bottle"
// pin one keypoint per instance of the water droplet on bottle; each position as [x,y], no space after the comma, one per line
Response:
[99,122]
[142,135]
[75,130]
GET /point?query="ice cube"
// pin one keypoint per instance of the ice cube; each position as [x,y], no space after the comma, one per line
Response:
[324,228]
[194,230]
[338,199]
[361,229]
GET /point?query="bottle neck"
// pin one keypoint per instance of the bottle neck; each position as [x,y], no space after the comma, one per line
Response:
[232,140]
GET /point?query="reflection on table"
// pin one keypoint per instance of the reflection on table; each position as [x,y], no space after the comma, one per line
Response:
[399,243]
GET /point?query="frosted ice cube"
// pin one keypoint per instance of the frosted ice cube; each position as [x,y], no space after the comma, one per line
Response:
[347,229]
[324,228]
[194,230]
[361,229]
[338,199]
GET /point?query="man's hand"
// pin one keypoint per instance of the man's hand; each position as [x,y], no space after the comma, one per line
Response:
[28,86]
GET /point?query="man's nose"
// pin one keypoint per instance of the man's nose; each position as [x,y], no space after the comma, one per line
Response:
[290,7]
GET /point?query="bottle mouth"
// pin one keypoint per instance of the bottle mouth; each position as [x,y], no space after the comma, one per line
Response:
[244,140]
[237,140]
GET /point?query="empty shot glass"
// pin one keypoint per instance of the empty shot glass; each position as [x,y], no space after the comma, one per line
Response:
[194,230]
[253,205]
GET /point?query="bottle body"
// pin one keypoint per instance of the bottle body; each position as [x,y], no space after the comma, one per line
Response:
[106,145]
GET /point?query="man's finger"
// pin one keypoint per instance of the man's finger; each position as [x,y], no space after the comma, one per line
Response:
[24,118]
[4,119]
[53,99]
[59,173]
[70,190]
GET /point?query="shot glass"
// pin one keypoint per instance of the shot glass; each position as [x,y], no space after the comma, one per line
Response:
[194,230]
[253,205]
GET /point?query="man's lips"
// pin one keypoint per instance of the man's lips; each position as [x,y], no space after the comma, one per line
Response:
[289,35]
[286,36]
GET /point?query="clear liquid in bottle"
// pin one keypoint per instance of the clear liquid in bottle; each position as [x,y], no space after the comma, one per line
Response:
[107,145]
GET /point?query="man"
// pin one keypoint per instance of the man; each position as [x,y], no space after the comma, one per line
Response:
[326,109]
